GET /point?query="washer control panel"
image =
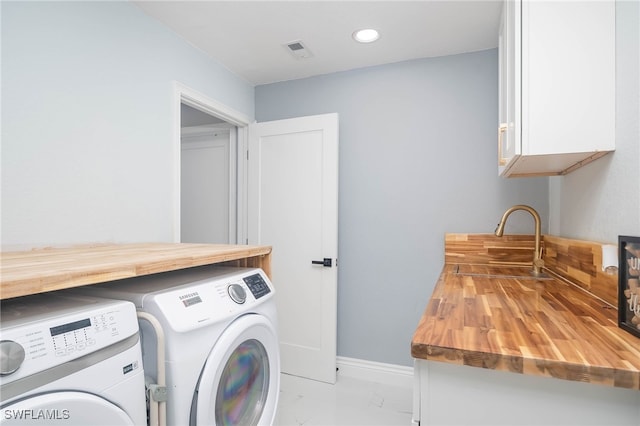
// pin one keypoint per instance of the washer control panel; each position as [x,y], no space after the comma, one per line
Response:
[42,333]
[257,285]
[214,298]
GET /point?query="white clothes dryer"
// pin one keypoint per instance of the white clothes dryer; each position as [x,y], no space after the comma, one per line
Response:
[221,347]
[70,361]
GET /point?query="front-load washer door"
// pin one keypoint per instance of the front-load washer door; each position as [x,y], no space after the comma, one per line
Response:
[240,382]
[63,408]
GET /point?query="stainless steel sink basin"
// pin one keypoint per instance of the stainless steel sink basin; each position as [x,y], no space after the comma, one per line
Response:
[514,272]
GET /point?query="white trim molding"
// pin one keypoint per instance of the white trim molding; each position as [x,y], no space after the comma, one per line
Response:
[206,130]
[197,100]
[378,372]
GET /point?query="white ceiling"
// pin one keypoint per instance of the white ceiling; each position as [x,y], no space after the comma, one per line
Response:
[249,37]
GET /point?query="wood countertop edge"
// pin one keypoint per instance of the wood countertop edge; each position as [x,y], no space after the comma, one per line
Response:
[593,374]
[108,262]
[559,369]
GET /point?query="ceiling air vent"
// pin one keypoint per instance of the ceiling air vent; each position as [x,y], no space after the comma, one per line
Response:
[298,50]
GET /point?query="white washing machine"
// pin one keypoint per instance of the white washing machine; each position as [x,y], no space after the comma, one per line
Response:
[70,361]
[222,356]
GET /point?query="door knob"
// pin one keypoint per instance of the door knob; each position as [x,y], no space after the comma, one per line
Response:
[325,262]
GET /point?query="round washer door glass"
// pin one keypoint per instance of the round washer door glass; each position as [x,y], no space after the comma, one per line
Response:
[243,386]
[240,382]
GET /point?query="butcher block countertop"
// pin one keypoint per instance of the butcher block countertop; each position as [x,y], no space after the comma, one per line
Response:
[41,270]
[498,316]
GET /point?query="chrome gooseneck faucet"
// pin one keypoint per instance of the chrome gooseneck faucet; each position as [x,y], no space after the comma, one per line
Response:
[538,262]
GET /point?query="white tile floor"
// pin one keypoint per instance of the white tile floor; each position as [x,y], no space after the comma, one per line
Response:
[349,402]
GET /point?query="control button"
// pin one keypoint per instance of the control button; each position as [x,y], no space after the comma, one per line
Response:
[11,356]
[237,293]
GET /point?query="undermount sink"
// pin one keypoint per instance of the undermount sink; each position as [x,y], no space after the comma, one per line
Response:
[516,272]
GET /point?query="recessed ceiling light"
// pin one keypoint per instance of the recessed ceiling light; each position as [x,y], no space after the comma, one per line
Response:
[366,35]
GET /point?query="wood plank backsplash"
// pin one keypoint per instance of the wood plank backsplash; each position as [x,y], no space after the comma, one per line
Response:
[579,262]
[487,249]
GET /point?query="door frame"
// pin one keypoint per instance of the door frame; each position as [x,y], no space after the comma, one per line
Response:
[183,94]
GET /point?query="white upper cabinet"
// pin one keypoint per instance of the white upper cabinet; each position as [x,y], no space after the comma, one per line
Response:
[557,85]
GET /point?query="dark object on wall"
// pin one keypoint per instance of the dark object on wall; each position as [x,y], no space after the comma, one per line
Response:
[629,284]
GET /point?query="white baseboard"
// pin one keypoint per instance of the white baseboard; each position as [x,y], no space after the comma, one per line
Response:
[388,374]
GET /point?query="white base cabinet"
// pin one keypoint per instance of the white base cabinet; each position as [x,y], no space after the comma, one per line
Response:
[447,394]
[557,85]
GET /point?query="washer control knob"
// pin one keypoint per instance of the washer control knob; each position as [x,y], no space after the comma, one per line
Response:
[237,293]
[11,356]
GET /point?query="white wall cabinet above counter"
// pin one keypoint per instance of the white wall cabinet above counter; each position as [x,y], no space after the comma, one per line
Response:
[557,86]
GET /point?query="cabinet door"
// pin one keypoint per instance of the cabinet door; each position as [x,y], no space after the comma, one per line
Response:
[502,90]
[568,66]
[557,85]
[509,146]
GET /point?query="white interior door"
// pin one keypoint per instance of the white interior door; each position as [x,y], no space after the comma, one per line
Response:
[293,206]
[207,185]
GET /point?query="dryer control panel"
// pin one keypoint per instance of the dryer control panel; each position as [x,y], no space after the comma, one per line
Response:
[257,285]
[213,299]
[39,333]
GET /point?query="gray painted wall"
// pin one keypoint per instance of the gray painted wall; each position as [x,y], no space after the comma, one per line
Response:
[418,158]
[602,200]
[87,121]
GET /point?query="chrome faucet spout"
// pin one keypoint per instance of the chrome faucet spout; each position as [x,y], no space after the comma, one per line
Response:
[538,262]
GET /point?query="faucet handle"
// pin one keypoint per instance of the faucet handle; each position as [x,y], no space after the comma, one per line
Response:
[538,260]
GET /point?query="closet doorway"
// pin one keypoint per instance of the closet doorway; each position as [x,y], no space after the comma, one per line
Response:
[209,171]
[207,178]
